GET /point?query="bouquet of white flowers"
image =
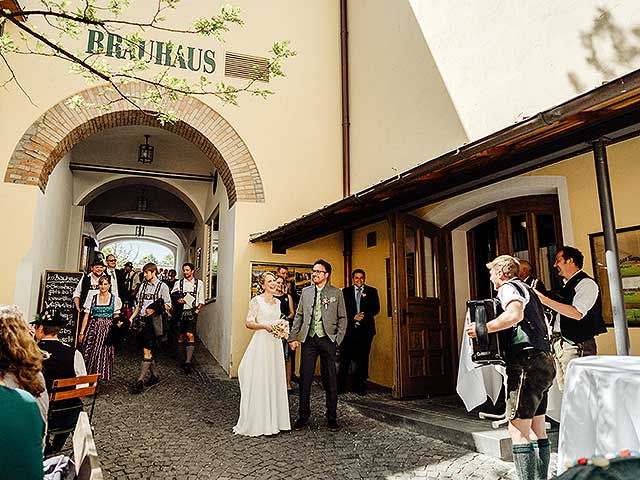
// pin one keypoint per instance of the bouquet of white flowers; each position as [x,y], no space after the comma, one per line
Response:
[280,328]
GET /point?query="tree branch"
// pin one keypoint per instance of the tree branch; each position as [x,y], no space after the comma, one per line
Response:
[15,79]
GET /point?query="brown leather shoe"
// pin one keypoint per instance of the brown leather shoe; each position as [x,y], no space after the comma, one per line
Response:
[333,425]
[301,423]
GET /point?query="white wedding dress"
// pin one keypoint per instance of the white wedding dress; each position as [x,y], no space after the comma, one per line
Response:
[264,402]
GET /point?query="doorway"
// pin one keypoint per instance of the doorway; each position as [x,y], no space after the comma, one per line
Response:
[423,340]
[528,228]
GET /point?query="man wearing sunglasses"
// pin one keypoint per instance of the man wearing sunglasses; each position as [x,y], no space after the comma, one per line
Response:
[320,324]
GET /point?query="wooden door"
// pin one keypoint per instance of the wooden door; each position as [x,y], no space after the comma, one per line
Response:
[529,228]
[422,336]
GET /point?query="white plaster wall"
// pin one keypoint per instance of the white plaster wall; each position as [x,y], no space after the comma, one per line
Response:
[215,321]
[49,243]
[502,60]
[401,113]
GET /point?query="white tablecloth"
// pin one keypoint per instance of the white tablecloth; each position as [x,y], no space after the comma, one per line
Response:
[601,408]
[476,383]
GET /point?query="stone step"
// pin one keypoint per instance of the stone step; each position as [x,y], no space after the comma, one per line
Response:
[439,421]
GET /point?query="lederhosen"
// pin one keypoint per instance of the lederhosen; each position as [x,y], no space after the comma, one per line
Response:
[530,366]
[188,317]
[148,333]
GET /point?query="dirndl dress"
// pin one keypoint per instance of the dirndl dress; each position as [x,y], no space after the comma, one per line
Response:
[99,356]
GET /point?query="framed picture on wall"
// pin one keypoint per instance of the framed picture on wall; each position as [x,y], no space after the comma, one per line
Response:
[300,274]
[629,261]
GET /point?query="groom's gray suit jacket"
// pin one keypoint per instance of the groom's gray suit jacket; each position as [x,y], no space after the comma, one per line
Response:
[334,314]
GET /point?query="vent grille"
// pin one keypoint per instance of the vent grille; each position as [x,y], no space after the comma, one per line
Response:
[245,66]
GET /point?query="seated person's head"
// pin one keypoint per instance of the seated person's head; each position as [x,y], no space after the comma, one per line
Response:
[48,324]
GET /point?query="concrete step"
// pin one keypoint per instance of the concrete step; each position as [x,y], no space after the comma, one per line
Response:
[437,419]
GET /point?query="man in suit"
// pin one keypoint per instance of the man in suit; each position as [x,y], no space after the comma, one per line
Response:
[526,275]
[321,323]
[362,304]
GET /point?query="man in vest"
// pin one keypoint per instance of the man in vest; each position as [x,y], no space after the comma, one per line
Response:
[529,365]
[62,361]
[189,297]
[579,310]
[88,284]
[153,295]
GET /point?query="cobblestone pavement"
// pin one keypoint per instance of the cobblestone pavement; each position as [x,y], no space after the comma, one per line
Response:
[182,428]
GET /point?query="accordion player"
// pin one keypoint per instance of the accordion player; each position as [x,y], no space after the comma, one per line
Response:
[487,348]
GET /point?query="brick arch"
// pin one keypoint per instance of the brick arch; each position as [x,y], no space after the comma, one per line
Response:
[60,128]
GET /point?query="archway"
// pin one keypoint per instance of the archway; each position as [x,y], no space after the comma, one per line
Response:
[60,128]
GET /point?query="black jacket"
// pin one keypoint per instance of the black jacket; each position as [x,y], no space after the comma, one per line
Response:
[369,305]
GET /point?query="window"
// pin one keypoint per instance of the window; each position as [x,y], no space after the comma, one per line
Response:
[213,231]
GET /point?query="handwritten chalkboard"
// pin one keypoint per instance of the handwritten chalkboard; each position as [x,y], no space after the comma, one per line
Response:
[57,292]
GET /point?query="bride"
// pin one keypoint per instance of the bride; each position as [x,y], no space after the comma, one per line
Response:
[264,403]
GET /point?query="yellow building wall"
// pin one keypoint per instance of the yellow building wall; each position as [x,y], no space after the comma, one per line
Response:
[624,170]
[294,136]
[329,248]
[372,261]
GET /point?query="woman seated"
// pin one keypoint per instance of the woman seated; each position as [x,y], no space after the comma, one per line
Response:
[21,426]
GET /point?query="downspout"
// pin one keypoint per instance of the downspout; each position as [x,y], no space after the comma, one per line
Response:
[346,162]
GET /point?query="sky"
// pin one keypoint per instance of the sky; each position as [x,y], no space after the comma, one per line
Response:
[143,248]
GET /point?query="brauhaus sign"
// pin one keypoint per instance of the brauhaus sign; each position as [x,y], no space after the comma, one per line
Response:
[167,54]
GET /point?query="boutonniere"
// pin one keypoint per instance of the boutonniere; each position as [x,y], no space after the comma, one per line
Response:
[363,295]
[325,302]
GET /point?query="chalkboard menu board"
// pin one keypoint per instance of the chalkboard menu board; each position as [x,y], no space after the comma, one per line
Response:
[57,292]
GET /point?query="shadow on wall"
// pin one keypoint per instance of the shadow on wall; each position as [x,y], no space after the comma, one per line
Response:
[612,50]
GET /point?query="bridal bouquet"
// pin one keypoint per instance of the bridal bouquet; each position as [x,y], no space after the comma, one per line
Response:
[280,328]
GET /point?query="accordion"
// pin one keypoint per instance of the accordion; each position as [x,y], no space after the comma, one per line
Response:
[487,348]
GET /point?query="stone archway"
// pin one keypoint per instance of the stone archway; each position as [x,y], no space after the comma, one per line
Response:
[60,128]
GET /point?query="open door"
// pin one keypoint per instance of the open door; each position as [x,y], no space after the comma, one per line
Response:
[423,350]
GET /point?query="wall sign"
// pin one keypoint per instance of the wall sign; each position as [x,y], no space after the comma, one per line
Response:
[165,53]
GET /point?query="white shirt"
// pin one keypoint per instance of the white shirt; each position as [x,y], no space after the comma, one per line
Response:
[117,304]
[114,281]
[508,293]
[146,298]
[189,286]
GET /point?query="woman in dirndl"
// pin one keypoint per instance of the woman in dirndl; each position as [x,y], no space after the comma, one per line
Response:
[102,312]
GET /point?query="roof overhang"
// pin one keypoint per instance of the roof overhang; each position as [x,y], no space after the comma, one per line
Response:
[611,111]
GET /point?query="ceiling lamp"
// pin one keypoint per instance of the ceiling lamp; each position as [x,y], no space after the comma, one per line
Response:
[145,151]
[142,204]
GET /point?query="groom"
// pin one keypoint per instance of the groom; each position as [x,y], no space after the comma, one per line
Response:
[321,322]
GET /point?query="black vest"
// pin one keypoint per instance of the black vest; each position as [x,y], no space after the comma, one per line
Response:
[531,331]
[85,287]
[591,323]
[60,364]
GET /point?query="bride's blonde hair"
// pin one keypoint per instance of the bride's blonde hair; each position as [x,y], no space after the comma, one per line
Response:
[262,278]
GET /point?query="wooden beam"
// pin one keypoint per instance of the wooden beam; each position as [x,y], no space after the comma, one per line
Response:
[145,222]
